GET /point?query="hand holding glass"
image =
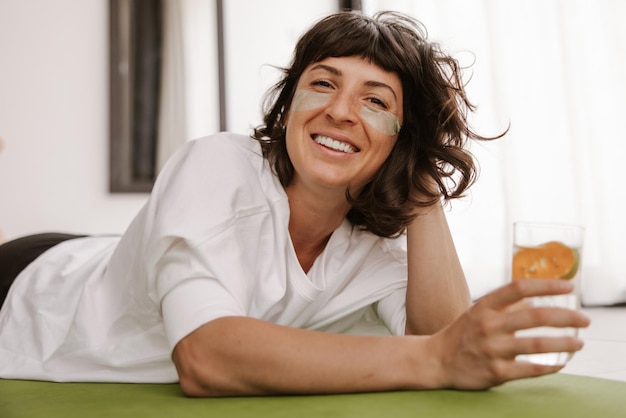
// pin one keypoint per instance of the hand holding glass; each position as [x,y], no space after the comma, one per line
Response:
[548,251]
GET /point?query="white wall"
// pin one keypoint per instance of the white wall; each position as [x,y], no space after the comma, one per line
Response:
[54,120]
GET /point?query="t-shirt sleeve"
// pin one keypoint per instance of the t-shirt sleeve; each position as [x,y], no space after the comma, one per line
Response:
[185,308]
[392,311]
[392,308]
[195,290]
[204,208]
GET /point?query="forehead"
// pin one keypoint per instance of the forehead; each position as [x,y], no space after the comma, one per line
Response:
[354,67]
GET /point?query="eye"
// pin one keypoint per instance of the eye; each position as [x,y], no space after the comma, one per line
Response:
[377,103]
[322,84]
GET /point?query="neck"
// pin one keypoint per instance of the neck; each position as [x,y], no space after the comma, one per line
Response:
[312,221]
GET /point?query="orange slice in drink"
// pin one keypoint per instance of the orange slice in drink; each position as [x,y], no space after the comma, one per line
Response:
[552,260]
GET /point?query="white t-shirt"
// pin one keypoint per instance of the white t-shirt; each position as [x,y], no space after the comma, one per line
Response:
[211,241]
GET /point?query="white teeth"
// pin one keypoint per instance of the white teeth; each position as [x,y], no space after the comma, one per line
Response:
[334,144]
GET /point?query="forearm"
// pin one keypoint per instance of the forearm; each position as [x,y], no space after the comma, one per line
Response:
[243,356]
[437,292]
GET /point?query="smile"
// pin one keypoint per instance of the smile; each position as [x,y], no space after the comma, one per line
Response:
[334,144]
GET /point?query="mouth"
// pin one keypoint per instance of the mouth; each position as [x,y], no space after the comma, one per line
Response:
[334,144]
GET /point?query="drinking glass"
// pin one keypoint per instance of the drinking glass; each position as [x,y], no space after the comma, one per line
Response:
[548,251]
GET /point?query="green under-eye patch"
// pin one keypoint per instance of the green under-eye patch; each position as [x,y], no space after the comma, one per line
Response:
[382,121]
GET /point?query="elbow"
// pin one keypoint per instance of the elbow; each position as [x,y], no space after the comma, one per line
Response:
[196,378]
[193,382]
[209,366]
[194,388]
[191,388]
[197,384]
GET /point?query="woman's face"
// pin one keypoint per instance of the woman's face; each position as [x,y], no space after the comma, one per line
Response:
[343,123]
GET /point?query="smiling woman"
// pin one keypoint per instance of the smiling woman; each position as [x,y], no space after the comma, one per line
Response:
[350,149]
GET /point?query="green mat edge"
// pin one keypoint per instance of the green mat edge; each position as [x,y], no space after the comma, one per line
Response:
[557,395]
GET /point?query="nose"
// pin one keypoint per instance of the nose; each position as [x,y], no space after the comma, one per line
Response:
[342,109]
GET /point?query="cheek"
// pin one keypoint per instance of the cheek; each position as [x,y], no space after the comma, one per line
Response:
[384,122]
[303,101]
[385,149]
[293,134]
[308,100]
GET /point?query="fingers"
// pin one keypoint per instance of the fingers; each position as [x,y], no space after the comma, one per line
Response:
[504,366]
[520,289]
[542,317]
[521,370]
[493,364]
[539,345]
[482,345]
[508,347]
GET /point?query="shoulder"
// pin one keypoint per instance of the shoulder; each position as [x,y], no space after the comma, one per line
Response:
[213,179]
[220,149]
[225,159]
[228,141]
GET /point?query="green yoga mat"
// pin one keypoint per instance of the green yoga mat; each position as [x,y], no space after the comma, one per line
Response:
[552,396]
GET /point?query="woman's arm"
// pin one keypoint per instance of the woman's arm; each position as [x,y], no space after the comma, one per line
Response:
[242,356]
[437,292]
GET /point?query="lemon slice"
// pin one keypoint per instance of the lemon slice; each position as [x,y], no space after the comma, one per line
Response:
[552,260]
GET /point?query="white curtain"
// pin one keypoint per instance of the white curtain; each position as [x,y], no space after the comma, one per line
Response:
[189,93]
[172,126]
[556,71]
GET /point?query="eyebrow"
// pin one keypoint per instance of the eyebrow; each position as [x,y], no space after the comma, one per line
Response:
[337,72]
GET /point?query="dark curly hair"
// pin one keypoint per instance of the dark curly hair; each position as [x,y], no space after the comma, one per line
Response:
[429,160]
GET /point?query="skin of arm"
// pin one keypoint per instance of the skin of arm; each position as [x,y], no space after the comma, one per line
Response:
[437,292]
[235,356]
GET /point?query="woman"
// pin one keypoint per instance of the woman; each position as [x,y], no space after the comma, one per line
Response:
[254,259]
